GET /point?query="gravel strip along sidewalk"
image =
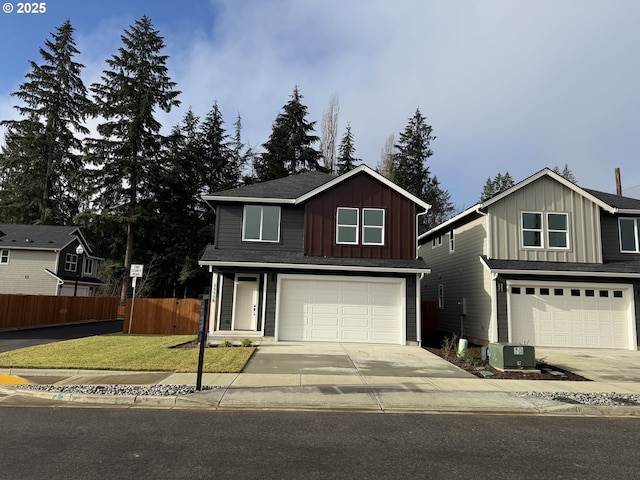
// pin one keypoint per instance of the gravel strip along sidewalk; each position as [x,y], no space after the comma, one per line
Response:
[153,390]
[604,399]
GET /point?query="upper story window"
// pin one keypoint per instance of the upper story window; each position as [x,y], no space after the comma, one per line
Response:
[88,266]
[4,256]
[347,225]
[536,233]
[354,227]
[436,241]
[261,223]
[372,226]
[629,228]
[452,242]
[71,262]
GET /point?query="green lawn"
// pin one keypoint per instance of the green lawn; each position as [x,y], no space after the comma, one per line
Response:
[128,352]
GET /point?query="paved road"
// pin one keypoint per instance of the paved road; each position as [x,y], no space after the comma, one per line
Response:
[14,339]
[70,443]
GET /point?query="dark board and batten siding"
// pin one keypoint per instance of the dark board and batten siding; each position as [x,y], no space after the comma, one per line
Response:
[360,191]
[229,230]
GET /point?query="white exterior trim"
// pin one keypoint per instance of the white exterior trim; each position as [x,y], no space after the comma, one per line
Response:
[299,266]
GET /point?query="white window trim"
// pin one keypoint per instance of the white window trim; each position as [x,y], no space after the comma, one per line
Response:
[260,240]
[71,262]
[380,227]
[452,241]
[436,242]
[541,230]
[88,262]
[636,232]
[356,226]
[4,256]
[549,231]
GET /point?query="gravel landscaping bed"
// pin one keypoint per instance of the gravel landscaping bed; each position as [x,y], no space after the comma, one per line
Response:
[153,390]
[600,399]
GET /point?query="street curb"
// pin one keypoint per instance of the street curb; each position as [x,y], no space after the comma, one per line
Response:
[187,402]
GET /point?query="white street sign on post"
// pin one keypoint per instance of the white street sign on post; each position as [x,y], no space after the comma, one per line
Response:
[135,272]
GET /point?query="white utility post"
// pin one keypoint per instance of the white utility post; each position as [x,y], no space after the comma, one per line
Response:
[135,273]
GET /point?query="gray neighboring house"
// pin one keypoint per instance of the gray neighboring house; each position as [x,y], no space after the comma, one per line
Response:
[316,257]
[544,263]
[46,260]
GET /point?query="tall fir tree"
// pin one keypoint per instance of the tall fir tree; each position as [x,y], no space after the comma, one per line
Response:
[346,161]
[566,173]
[289,149]
[494,186]
[412,173]
[129,93]
[217,155]
[40,158]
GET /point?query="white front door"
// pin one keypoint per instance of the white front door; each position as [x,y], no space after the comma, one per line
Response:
[245,303]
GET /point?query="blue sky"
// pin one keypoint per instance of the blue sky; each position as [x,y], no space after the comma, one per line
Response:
[507,85]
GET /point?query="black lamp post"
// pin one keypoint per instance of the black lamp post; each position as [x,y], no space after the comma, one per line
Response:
[79,252]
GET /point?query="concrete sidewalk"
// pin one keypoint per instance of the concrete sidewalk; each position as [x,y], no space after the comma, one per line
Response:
[346,377]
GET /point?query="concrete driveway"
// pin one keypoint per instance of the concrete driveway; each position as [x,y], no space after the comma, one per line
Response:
[601,365]
[349,359]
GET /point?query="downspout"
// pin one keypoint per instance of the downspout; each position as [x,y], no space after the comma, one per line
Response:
[418,287]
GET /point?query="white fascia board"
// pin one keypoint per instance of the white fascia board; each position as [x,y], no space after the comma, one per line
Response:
[298,266]
[279,201]
[628,211]
[564,273]
[558,178]
[444,225]
[371,173]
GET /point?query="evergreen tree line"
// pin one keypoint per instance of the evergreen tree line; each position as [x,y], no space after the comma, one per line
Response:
[135,192]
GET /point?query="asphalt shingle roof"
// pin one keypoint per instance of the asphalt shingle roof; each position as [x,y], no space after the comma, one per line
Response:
[622,268]
[47,237]
[290,187]
[616,201]
[277,258]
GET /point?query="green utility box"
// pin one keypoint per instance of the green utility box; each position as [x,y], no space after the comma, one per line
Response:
[507,356]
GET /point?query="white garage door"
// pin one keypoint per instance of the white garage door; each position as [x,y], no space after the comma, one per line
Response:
[572,315]
[340,309]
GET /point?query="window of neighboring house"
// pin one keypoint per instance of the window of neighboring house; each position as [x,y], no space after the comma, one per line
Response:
[558,230]
[440,295]
[452,242]
[437,241]
[88,266]
[261,224]
[629,228]
[71,262]
[532,230]
[4,256]
[372,226]
[347,225]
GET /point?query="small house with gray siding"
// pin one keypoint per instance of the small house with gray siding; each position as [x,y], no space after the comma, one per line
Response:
[544,263]
[46,260]
[317,257]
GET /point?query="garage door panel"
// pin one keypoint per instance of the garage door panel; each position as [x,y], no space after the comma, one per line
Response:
[341,309]
[574,319]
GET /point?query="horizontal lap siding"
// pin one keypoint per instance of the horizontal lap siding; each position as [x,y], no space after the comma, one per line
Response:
[360,191]
[229,230]
[611,239]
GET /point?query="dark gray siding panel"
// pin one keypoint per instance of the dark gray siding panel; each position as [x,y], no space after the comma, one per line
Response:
[229,230]
[226,303]
[270,312]
[611,240]
[636,288]
[411,308]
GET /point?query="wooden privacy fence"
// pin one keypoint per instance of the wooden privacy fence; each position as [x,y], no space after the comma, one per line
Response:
[19,311]
[163,316]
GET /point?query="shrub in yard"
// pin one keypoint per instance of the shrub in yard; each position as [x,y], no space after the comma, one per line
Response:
[450,345]
[226,344]
[246,342]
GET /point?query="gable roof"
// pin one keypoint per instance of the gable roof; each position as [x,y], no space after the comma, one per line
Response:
[608,202]
[297,189]
[39,237]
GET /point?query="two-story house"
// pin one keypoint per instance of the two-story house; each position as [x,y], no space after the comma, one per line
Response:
[46,260]
[317,257]
[544,263]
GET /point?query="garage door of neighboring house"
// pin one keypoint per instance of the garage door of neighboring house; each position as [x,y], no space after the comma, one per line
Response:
[571,315]
[341,309]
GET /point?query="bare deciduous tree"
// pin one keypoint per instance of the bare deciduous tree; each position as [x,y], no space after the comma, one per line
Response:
[386,167]
[329,133]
